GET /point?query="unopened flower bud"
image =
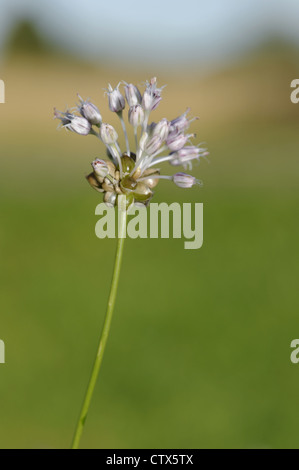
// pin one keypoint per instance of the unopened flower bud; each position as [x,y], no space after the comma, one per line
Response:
[90,112]
[162,129]
[184,181]
[108,134]
[100,168]
[74,123]
[132,94]
[136,115]
[176,142]
[80,126]
[153,144]
[116,100]
[180,124]
[150,128]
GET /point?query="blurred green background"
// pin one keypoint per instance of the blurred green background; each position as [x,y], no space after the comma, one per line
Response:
[199,352]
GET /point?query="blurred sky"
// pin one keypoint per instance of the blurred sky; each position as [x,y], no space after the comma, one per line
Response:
[156,31]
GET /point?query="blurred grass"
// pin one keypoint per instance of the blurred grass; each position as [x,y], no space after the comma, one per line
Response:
[200,344]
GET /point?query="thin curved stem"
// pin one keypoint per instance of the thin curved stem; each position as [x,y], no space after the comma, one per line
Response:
[159,160]
[136,139]
[106,326]
[120,115]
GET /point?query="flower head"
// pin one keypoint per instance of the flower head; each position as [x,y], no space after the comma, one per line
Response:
[135,173]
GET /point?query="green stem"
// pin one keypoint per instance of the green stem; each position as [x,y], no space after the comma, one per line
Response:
[120,115]
[106,327]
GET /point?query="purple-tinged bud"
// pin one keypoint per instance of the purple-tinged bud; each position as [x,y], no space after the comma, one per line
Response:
[150,128]
[80,125]
[186,155]
[180,124]
[152,95]
[132,94]
[116,100]
[184,181]
[108,134]
[136,115]
[74,123]
[100,168]
[162,129]
[176,142]
[90,112]
[153,144]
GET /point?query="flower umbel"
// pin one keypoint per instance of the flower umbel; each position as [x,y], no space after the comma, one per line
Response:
[134,174]
[130,174]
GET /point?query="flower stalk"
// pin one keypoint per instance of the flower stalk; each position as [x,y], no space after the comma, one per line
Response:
[106,326]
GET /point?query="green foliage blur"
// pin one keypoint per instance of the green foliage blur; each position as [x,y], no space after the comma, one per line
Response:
[199,352]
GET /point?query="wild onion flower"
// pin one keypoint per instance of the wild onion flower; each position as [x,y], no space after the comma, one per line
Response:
[74,123]
[132,172]
[90,112]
